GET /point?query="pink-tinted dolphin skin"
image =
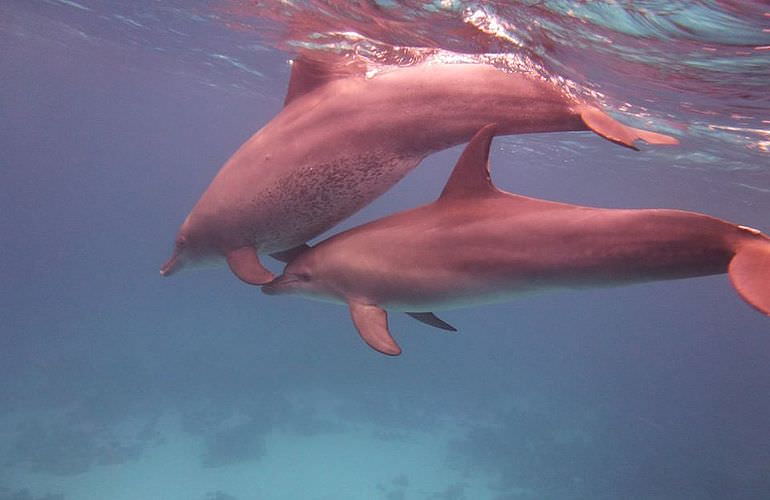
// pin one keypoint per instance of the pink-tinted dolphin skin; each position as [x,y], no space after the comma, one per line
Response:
[478,244]
[342,139]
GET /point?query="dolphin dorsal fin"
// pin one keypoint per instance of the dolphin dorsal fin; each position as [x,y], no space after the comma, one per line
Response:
[310,73]
[470,176]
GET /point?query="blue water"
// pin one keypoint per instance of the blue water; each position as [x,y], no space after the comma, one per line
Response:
[117,384]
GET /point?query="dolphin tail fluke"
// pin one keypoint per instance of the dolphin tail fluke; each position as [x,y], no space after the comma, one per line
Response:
[749,272]
[372,324]
[654,137]
[612,130]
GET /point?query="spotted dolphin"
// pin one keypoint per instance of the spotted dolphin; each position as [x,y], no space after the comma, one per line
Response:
[342,139]
[478,244]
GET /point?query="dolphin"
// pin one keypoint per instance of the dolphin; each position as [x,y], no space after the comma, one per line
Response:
[342,139]
[478,244]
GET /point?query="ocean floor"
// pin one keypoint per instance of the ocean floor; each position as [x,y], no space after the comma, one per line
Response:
[208,454]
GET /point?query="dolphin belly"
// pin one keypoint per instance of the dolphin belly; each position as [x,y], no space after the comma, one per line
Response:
[315,197]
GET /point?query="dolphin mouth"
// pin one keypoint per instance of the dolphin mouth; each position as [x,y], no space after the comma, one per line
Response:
[278,285]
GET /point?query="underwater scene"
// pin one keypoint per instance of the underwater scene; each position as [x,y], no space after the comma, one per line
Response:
[384,249]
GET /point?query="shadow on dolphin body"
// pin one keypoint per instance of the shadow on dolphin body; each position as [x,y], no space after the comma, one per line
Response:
[478,244]
[342,139]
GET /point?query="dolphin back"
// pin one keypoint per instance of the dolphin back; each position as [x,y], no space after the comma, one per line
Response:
[749,273]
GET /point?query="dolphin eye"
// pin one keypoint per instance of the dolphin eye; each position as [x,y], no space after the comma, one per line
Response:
[303,276]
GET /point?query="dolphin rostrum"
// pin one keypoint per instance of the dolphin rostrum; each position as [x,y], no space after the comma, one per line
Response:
[343,139]
[478,244]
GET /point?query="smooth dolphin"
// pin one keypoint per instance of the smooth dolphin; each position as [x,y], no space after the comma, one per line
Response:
[343,139]
[478,244]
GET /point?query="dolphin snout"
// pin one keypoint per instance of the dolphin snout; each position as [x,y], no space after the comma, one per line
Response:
[171,266]
[268,290]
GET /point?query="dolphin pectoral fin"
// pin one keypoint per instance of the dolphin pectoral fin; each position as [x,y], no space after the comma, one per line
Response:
[749,273]
[290,254]
[372,324]
[245,264]
[432,320]
[612,130]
